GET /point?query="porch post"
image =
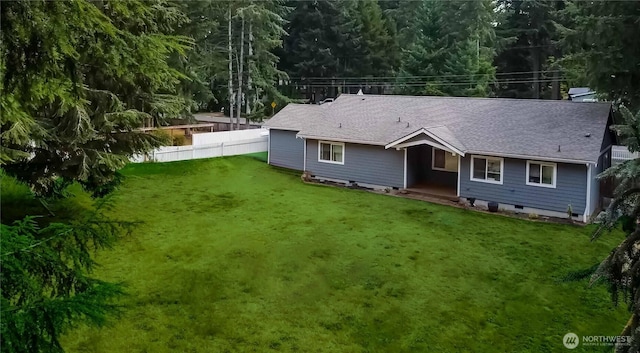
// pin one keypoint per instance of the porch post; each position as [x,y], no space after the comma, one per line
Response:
[405,167]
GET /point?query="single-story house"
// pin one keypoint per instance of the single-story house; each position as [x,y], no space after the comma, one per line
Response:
[530,156]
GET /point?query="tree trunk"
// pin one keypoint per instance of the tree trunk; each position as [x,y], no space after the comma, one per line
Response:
[230,84]
[535,58]
[240,74]
[249,99]
[555,85]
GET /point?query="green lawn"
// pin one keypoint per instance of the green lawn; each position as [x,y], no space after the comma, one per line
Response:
[238,256]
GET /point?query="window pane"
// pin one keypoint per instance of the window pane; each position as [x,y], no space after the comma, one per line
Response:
[451,162]
[493,176]
[547,174]
[337,153]
[479,167]
[493,169]
[325,151]
[438,158]
[534,173]
[494,166]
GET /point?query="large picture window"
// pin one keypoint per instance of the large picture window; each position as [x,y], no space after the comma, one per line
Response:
[444,161]
[541,174]
[331,152]
[487,169]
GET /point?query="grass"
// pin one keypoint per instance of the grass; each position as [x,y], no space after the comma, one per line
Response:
[238,256]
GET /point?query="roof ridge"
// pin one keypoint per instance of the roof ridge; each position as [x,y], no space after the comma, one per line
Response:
[562,101]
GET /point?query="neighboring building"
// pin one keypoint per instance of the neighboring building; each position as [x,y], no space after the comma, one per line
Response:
[582,94]
[221,122]
[533,156]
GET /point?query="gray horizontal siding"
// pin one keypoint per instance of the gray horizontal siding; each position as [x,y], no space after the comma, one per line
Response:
[571,187]
[362,163]
[285,150]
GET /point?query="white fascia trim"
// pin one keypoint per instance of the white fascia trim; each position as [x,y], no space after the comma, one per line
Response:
[458,186]
[402,139]
[304,163]
[486,170]
[405,168]
[588,203]
[330,143]
[423,142]
[548,164]
[325,138]
[429,134]
[279,128]
[521,156]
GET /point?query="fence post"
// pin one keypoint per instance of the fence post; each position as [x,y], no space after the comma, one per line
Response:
[193,151]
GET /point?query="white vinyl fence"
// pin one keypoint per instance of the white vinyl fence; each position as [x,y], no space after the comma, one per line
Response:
[214,144]
[228,136]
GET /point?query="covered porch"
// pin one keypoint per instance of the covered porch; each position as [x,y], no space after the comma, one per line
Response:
[432,164]
[434,191]
[432,172]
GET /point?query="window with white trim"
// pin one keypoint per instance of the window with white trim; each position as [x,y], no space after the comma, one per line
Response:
[331,152]
[541,174]
[443,160]
[487,169]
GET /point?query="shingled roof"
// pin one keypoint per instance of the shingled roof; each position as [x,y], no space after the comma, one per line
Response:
[494,126]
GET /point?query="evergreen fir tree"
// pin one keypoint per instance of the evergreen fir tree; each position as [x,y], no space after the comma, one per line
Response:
[78,79]
[601,40]
[450,57]
[621,269]
[529,44]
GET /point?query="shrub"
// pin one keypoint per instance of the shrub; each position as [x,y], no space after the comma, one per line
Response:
[179,140]
[163,136]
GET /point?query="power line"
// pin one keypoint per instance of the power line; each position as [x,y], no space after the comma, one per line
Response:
[343,78]
[421,84]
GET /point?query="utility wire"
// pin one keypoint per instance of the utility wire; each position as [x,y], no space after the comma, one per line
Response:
[421,76]
[420,84]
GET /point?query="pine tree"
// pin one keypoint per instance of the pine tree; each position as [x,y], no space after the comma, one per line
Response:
[621,269]
[310,48]
[601,40]
[78,79]
[206,63]
[45,284]
[378,55]
[267,22]
[331,42]
[529,43]
[450,57]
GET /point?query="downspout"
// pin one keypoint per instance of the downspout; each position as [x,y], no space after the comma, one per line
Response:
[269,148]
[304,163]
[458,186]
[588,201]
[405,167]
